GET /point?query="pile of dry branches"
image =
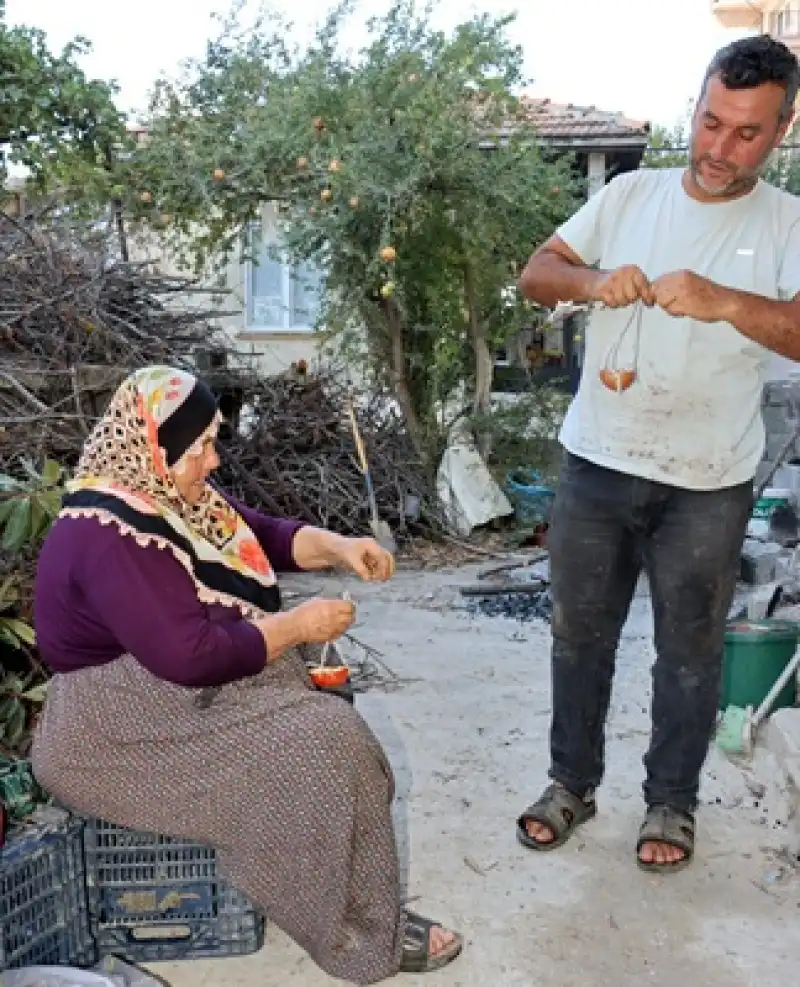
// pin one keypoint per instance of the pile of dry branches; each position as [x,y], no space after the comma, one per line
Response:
[294,452]
[74,320]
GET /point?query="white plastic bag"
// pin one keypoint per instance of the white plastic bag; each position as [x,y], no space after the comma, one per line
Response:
[110,972]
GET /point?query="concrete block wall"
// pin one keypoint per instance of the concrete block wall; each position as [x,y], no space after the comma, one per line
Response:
[780,407]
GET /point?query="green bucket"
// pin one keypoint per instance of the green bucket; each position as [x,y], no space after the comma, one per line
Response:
[756,652]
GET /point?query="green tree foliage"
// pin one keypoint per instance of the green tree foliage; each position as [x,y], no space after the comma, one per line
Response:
[394,169]
[63,127]
[668,147]
[784,169]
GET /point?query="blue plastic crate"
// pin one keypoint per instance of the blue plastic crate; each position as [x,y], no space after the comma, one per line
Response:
[44,915]
[156,898]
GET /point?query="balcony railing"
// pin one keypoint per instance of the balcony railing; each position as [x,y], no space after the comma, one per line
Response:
[785,23]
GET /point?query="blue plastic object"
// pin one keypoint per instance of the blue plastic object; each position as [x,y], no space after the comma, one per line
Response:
[532,500]
[44,915]
[155,898]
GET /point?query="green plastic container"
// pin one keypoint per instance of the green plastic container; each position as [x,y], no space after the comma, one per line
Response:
[771,499]
[756,652]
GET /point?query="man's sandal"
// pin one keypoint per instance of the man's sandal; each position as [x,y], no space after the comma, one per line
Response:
[560,811]
[417,956]
[673,827]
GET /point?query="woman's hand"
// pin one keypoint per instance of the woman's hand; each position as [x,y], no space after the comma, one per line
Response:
[316,548]
[366,558]
[319,620]
[313,622]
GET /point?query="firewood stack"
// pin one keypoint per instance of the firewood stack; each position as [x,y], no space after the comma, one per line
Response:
[74,320]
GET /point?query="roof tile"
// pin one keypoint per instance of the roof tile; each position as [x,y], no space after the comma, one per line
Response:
[555,120]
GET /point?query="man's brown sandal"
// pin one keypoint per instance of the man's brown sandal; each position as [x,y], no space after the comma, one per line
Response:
[673,827]
[559,810]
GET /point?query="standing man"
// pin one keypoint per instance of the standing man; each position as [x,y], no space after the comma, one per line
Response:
[696,275]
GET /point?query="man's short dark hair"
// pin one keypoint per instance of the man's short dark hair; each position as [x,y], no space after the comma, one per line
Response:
[752,62]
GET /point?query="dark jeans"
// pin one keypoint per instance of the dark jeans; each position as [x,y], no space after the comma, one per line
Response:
[606,527]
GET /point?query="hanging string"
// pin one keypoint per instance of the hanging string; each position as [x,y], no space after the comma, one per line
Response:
[612,375]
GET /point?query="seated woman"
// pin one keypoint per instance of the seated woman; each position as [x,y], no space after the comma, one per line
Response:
[179,703]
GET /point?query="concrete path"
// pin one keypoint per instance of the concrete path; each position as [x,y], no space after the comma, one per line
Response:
[468,741]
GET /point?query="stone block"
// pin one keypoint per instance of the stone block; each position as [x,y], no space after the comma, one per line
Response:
[759,561]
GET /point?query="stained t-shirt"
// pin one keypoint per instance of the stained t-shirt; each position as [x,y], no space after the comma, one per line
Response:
[692,418]
[99,595]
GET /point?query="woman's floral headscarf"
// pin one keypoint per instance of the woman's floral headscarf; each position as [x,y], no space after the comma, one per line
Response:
[124,478]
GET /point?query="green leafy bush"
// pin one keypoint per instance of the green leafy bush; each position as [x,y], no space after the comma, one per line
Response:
[29,504]
[522,432]
[28,507]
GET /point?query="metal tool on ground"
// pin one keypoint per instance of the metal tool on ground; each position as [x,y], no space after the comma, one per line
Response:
[380,529]
[736,733]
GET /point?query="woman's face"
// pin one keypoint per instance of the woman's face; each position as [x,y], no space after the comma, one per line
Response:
[194,467]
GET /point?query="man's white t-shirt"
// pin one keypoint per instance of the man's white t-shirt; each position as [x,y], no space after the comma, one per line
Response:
[692,418]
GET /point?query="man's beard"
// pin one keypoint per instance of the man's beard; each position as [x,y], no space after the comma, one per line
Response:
[741,181]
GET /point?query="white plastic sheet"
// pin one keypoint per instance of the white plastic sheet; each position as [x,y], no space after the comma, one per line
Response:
[111,972]
[466,488]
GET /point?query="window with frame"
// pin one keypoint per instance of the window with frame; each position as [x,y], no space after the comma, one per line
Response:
[280,296]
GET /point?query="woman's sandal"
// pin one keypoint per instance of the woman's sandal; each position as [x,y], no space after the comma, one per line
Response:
[559,810]
[663,824]
[417,956]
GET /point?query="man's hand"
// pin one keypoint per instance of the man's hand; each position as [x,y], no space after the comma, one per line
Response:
[685,294]
[622,287]
[366,558]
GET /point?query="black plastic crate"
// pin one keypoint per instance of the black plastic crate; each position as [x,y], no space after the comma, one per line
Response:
[156,898]
[44,914]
